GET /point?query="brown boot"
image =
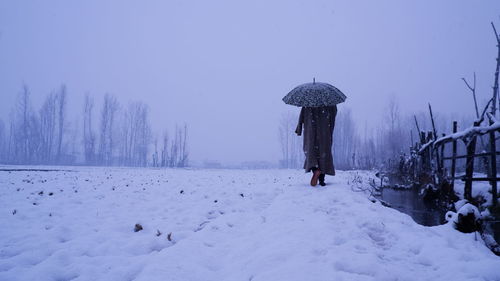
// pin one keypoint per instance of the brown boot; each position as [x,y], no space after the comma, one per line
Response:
[315,177]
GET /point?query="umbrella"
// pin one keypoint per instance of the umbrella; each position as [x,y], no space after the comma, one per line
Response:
[314,94]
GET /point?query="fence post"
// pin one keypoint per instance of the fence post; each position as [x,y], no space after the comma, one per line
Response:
[454,160]
[435,136]
[493,161]
[422,138]
[469,166]
[423,157]
[428,152]
[442,160]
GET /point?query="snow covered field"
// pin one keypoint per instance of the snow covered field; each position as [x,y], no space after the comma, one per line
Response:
[217,225]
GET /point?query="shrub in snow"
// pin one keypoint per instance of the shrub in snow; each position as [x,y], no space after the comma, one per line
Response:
[429,192]
[137,227]
[467,219]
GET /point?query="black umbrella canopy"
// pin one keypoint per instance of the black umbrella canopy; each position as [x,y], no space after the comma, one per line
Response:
[314,94]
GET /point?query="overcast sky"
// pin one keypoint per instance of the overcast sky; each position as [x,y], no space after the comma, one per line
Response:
[222,67]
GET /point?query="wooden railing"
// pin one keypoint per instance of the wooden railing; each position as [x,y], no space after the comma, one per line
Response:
[432,154]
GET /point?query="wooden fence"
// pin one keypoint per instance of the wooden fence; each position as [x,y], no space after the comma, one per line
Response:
[432,156]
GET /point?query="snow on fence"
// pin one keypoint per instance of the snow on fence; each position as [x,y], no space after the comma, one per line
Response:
[431,152]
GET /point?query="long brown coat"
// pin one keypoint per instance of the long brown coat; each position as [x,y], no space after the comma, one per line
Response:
[318,123]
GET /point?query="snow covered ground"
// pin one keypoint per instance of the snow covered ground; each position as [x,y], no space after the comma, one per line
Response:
[217,225]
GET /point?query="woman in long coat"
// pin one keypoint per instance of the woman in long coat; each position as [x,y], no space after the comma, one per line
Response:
[318,123]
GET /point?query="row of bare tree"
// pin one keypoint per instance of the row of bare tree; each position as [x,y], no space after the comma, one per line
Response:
[35,138]
[357,149]
[123,136]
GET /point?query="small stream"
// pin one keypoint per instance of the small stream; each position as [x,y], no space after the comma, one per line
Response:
[425,213]
[409,202]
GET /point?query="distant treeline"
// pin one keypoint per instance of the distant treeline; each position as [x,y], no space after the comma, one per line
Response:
[360,147]
[122,135]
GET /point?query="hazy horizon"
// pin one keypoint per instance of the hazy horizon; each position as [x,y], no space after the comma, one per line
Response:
[222,67]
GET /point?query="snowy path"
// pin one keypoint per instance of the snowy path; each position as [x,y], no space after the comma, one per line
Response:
[224,225]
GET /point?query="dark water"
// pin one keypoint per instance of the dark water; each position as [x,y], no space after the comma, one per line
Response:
[410,202]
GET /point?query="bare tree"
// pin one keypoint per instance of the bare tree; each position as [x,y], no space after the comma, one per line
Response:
[88,132]
[164,150]
[72,146]
[284,137]
[175,153]
[345,140]
[473,91]
[11,146]
[106,144]
[34,140]
[144,136]
[291,149]
[136,135]
[394,128]
[3,143]
[183,152]
[20,128]
[367,152]
[495,82]
[61,105]
[47,127]
[25,112]
[174,150]
[155,155]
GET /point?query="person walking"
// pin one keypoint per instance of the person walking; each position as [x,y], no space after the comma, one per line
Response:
[317,119]
[318,124]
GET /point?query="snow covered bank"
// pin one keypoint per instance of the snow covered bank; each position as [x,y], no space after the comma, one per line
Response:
[223,225]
